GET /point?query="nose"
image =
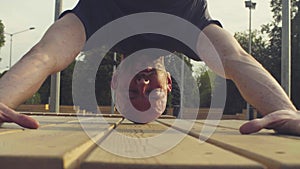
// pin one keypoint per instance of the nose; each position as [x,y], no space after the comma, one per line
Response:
[142,81]
[142,84]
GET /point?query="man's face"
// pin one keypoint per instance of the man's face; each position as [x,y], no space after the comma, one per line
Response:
[148,81]
[141,97]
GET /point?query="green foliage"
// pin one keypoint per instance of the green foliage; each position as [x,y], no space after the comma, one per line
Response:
[274,32]
[103,79]
[295,58]
[266,49]
[268,52]
[2,38]
[66,85]
[44,91]
[205,79]
[35,99]
[262,50]
[191,91]
[206,85]
[276,8]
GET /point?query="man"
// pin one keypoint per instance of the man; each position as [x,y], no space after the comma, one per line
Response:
[65,39]
[141,84]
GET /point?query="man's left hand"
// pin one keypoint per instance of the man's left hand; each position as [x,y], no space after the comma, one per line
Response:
[282,121]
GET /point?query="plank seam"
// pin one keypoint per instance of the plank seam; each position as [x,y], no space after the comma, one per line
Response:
[269,163]
[73,158]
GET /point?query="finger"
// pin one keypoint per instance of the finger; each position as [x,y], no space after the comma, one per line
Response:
[27,122]
[22,120]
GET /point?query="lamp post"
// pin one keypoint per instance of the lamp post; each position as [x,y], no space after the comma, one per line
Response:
[286,47]
[54,100]
[11,42]
[251,5]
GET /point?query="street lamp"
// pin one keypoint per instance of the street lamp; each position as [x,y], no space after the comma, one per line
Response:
[11,41]
[251,5]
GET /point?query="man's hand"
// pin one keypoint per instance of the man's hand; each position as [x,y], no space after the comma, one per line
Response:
[282,121]
[9,115]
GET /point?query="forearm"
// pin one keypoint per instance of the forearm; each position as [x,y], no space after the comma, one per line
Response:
[257,86]
[224,55]
[24,79]
[56,50]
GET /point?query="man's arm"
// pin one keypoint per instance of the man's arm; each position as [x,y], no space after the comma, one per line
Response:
[57,49]
[256,85]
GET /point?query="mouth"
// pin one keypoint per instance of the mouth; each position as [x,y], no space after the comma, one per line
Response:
[146,72]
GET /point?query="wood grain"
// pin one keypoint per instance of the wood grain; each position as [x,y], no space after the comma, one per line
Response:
[266,147]
[57,146]
[187,154]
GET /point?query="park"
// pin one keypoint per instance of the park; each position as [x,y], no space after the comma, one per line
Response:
[82,126]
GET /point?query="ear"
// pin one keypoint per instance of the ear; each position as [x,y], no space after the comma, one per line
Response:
[114,81]
[169,81]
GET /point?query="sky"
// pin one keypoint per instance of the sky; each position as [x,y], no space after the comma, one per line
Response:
[19,15]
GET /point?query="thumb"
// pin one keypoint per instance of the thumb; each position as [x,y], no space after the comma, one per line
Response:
[253,126]
[275,120]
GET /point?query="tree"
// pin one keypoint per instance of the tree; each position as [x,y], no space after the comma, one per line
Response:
[273,30]
[262,50]
[268,53]
[103,79]
[102,87]
[174,65]
[66,85]
[205,87]
[234,100]
[2,38]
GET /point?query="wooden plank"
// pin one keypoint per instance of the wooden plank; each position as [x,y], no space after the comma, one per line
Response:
[62,108]
[7,128]
[52,147]
[43,120]
[189,153]
[233,124]
[265,147]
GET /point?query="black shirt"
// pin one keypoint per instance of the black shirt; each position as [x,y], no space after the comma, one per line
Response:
[94,14]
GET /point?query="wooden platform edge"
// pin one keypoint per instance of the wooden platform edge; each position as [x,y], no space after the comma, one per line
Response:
[73,158]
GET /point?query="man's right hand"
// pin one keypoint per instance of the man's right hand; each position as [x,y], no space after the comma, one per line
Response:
[9,115]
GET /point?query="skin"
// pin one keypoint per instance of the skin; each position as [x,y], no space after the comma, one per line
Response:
[65,39]
[53,53]
[256,85]
[141,85]
[145,82]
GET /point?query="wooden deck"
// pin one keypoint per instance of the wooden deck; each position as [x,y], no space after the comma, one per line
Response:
[62,143]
